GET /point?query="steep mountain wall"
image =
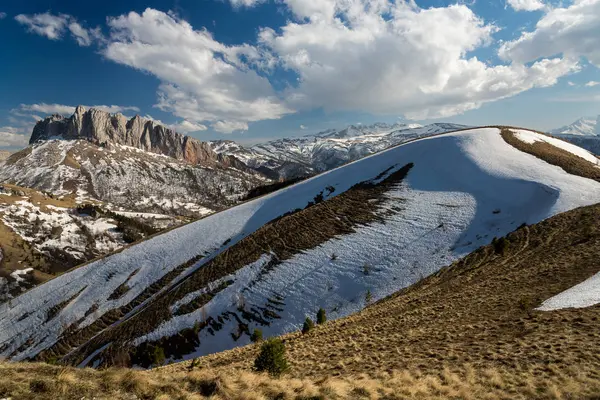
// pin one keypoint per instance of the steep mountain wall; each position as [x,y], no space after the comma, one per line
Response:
[102,128]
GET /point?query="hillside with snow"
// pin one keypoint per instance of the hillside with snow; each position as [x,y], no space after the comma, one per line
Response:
[294,157]
[339,241]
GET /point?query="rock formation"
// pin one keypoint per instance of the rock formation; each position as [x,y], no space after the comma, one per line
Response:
[104,129]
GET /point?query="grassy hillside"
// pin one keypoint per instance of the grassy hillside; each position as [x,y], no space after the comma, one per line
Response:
[469,331]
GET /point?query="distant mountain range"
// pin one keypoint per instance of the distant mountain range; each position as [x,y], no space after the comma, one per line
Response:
[585,133]
[583,126]
[292,157]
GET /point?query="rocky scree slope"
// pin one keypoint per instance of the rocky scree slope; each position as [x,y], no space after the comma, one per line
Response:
[339,241]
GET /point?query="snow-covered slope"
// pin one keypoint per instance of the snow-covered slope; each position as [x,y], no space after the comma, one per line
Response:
[462,190]
[582,127]
[293,157]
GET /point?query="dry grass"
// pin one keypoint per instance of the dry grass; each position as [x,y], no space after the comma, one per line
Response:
[41,381]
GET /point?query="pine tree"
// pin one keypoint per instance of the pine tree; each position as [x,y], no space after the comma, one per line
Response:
[272,358]
[308,325]
[256,336]
[321,316]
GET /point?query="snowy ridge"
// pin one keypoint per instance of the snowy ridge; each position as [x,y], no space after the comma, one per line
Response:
[293,157]
[464,189]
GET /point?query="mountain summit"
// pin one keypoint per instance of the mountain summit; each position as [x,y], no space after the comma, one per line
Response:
[583,126]
[102,128]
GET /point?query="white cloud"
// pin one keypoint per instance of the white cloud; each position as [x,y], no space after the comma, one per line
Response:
[62,109]
[395,58]
[46,24]
[526,5]
[592,84]
[181,127]
[202,79]
[571,83]
[80,34]
[572,31]
[229,126]
[10,137]
[245,3]
[303,127]
[2,15]
[54,26]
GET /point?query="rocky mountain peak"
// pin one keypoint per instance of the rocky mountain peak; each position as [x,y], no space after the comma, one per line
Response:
[105,129]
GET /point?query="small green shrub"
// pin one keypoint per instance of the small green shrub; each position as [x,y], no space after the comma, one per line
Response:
[321,316]
[368,297]
[158,356]
[256,336]
[308,325]
[272,358]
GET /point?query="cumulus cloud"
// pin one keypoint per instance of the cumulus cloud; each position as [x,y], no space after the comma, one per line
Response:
[572,31]
[11,137]
[303,127]
[62,109]
[395,58]
[378,56]
[54,26]
[526,5]
[571,83]
[592,84]
[202,79]
[2,15]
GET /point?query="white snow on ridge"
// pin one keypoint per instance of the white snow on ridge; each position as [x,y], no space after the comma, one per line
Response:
[457,183]
[532,137]
[584,294]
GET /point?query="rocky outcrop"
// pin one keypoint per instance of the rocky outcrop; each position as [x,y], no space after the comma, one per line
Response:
[104,129]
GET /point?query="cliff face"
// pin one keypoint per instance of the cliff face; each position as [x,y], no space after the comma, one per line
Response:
[102,128]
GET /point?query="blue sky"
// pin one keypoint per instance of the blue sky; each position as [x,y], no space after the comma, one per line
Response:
[252,70]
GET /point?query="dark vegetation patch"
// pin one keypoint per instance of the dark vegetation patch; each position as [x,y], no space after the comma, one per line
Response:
[266,189]
[569,162]
[122,288]
[53,311]
[285,237]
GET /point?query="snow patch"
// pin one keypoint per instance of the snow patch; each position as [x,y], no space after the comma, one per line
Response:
[584,294]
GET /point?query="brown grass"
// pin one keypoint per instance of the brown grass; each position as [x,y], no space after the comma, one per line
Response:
[42,381]
[569,162]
